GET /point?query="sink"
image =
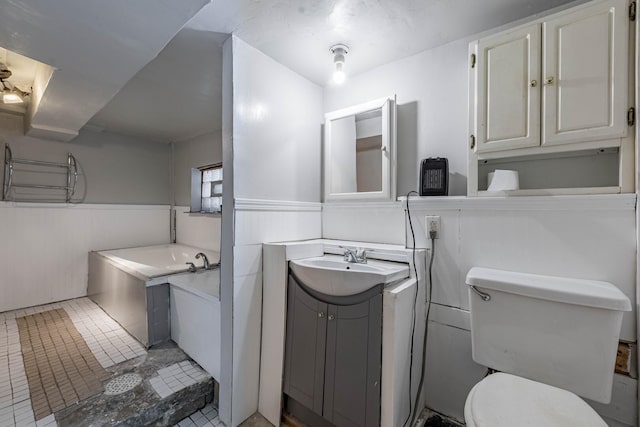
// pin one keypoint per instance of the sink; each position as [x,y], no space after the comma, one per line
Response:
[331,275]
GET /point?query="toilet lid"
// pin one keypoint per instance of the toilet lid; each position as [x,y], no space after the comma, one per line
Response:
[507,400]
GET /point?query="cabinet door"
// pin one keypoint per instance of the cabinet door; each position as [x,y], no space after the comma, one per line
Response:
[353,364]
[508,92]
[305,347]
[585,74]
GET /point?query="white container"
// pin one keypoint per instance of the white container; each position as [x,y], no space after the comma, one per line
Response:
[502,180]
[558,331]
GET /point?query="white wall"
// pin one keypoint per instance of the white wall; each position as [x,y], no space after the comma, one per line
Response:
[432,109]
[114,168]
[277,127]
[201,231]
[193,153]
[277,117]
[44,247]
[197,230]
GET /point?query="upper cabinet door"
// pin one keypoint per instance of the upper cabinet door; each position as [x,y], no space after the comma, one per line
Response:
[585,74]
[508,92]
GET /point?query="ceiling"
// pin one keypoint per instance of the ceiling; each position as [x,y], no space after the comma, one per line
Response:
[177,96]
[126,72]
[92,48]
[299,33]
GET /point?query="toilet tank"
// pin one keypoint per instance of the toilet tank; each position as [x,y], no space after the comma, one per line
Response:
[559,331]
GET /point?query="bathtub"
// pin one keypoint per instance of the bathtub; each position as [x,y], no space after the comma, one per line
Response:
[132,286]
[151,262]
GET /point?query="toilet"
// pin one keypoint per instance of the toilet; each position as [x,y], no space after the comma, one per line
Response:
[551,339]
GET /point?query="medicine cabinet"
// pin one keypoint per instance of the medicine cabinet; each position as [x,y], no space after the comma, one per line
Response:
[360,152]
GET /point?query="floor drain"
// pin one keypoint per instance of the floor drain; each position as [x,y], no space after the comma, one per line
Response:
[122,384]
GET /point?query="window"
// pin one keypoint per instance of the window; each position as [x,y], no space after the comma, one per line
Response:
[206,189]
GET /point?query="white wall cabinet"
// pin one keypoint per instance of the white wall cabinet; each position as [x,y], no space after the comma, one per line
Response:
[557,85]
[586,74]
[508,99]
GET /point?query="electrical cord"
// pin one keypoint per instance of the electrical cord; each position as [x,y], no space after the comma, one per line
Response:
[413,316]
[432,236]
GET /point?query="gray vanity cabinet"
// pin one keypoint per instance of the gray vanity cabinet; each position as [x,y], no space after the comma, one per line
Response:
[334,355]
[305,348]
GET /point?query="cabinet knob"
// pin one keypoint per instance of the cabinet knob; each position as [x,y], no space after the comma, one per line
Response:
[321,314]
[548,80]
[534,83]
[331,317]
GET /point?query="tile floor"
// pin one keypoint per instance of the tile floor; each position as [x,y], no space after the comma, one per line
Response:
[176,377]
[206,417]
[60,368]
[109,344]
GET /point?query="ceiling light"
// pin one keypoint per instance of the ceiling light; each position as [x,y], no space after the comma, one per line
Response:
[339,52]
[11,98]
[10,93]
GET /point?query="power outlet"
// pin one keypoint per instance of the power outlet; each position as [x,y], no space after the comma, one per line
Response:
[432,224]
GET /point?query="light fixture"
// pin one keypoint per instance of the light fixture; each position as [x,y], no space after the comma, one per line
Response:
[339,52]
[10,93]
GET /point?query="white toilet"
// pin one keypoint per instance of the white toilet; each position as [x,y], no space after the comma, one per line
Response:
[549,337]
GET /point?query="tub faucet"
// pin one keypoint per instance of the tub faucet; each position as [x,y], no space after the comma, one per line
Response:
[192,267]
[205,260]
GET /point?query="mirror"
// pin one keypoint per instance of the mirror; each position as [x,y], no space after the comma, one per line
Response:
[359,154]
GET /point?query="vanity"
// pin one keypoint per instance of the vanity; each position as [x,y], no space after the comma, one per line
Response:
[336,335]
[334,338]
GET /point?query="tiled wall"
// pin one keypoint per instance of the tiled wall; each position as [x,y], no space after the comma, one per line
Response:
[255,226]
[200,231]
[45,247]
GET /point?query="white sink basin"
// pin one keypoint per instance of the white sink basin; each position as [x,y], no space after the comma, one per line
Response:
[331,275]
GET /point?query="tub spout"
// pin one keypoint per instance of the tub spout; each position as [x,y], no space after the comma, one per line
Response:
[205,260]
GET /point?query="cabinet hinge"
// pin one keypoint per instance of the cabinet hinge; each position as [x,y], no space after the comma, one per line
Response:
[631,116]
[473,60]
[632,11]
[472,141]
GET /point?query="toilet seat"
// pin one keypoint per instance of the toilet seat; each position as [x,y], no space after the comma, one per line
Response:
[504,400]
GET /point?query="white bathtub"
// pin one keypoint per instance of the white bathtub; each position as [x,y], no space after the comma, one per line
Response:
[150,293]
[149,262]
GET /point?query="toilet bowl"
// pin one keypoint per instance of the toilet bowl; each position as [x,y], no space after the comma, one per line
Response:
[504,400]
[553,339]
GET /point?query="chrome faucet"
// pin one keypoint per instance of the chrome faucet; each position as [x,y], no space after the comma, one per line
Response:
[359,256]
[192,267]
[205,260]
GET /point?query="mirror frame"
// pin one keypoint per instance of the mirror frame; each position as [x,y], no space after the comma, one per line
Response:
[388,192]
